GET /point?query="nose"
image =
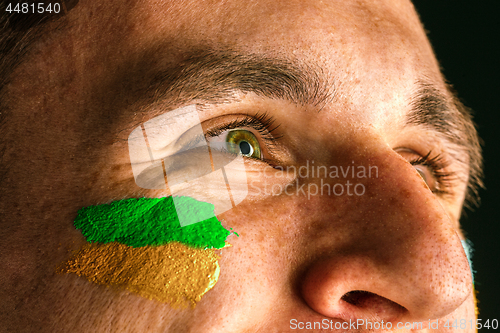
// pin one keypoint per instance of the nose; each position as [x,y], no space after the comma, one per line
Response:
[401,257]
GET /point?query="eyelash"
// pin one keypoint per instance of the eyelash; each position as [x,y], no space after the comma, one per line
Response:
[263,123]
[437,164]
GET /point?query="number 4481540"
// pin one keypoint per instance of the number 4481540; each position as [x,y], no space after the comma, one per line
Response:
[32,8]
[471,324]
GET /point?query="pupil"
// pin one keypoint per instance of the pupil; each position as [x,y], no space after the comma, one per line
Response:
[245,148]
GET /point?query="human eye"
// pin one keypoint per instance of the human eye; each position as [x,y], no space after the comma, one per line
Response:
[237,141]
[253,137]
[204,147]
[434,169]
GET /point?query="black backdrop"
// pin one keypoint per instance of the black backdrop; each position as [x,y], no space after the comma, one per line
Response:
[465,35]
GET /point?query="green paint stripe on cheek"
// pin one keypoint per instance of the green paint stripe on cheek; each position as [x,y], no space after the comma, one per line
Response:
[152,221]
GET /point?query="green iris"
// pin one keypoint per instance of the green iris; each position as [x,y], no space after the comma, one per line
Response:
[244,143]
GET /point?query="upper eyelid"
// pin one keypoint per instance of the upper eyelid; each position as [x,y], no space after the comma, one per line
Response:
[262,123]
[246,121]
[439,166]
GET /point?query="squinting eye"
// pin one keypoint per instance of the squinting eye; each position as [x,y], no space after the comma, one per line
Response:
[243,142]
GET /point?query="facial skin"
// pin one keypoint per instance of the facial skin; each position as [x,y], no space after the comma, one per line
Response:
[73,104]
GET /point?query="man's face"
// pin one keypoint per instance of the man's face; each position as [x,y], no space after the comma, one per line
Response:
[385,249]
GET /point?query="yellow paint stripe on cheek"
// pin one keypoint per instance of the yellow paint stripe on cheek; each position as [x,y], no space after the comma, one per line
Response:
[173,273]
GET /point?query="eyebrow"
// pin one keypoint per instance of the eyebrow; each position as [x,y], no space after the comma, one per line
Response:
[453,121]
[215,77]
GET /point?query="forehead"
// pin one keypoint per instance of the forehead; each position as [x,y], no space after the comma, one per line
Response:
[376,51]
[334,31]
[260,24]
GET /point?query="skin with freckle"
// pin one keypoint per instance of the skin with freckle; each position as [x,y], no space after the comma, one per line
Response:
[393,253]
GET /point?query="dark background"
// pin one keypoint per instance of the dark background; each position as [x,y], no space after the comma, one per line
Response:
[465,36]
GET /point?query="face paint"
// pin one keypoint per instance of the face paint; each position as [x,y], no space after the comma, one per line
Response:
[139,244]
[152,221]
[173,273]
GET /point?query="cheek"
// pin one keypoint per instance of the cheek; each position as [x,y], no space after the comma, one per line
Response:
[140,245]
[271,239]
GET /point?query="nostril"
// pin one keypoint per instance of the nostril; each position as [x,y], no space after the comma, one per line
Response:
[358,297]
[373,304]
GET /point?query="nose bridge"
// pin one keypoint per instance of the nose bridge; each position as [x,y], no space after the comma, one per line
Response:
[397,203]
[401,243]
[416,237]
